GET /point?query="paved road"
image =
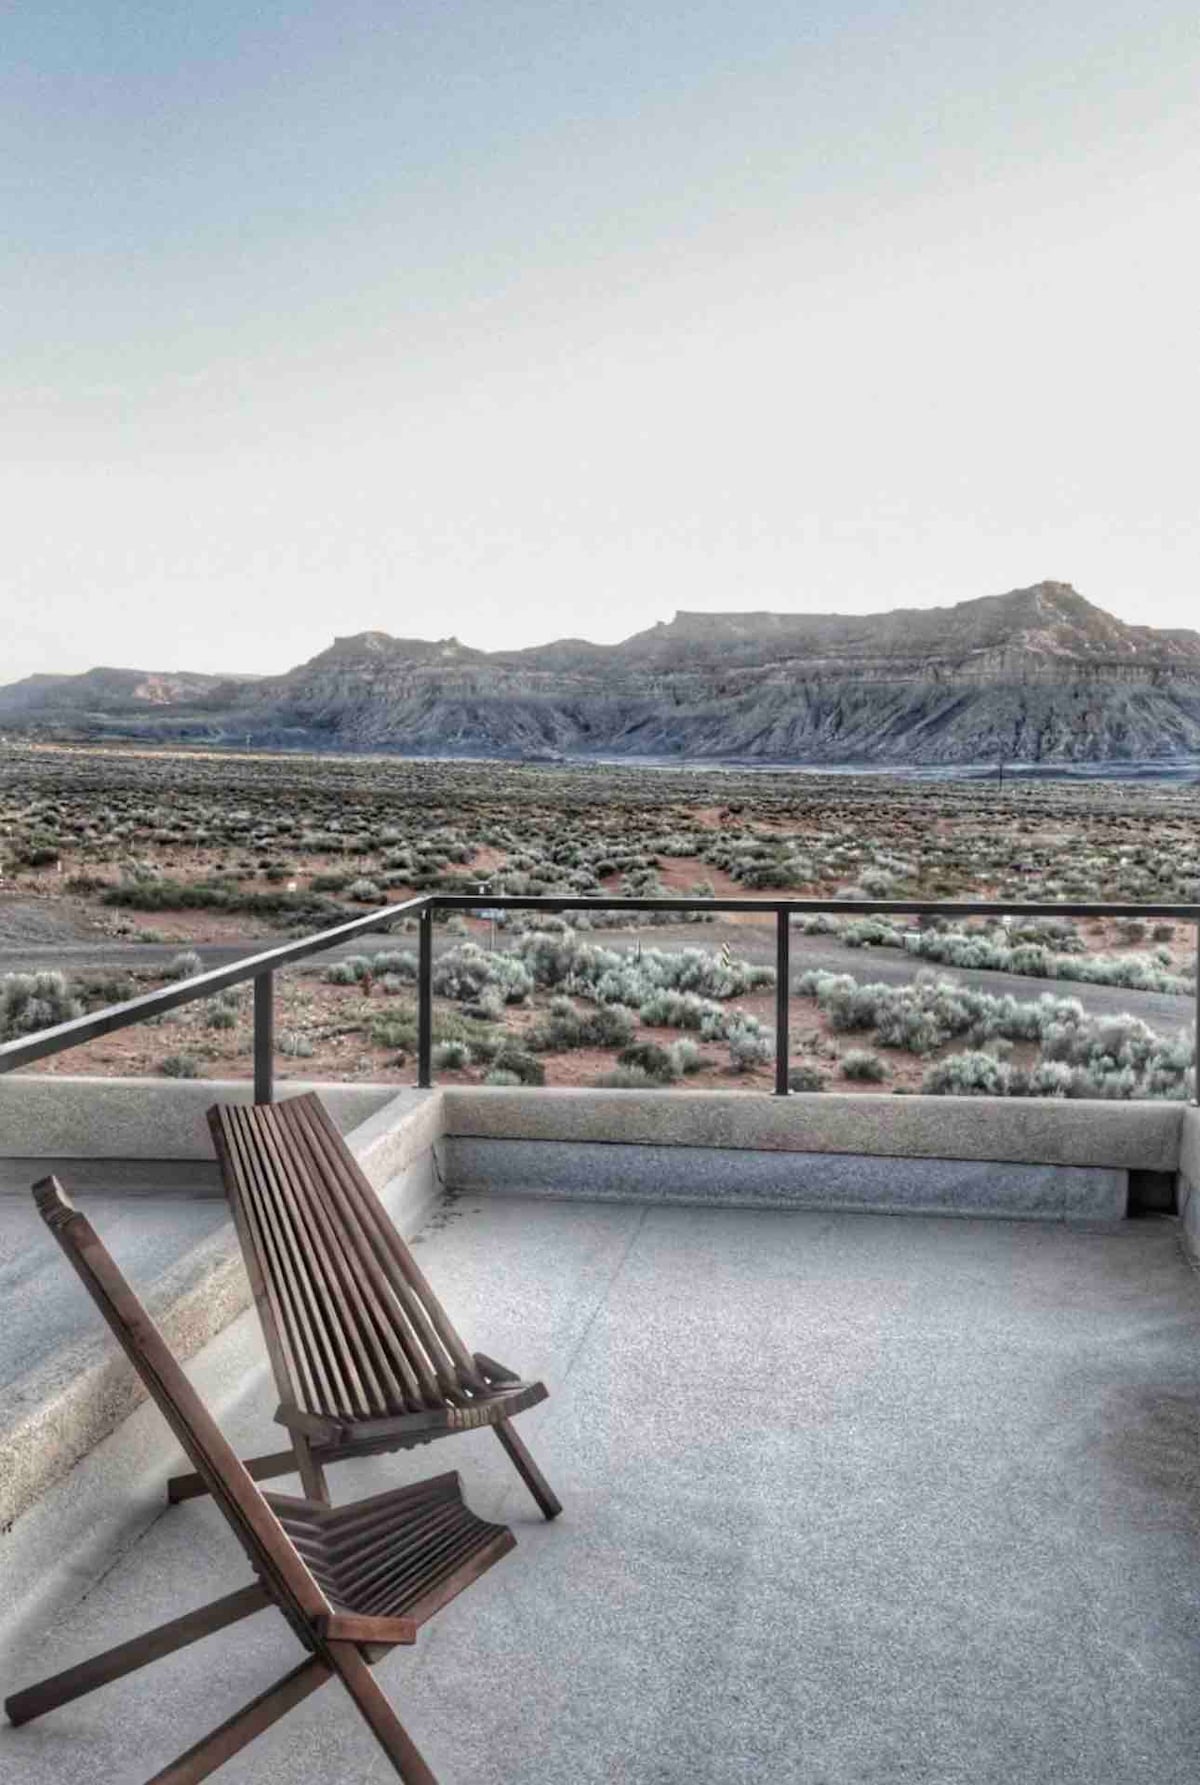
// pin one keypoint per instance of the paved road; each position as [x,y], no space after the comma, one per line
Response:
[753,942]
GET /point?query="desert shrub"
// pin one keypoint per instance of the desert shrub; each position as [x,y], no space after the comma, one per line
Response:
[185,965]
[463,972]
[928,1013]
[500,1075]
[651,1059]
[33,1001]
[295,1045]
[179,1066]
[397,964]
[489,1007]
[559,958]
[686,1058]
[396,1027]
[164,894]
[452,1054]
[627,1078]
[973,1074]
[220,1016]
[563,1027]
[860,1063]
[684,1010]
[806,1078]
[37,853]
[347,972]
[1040,949]
[96,990]
[510,1056]
[749,1044]
[364,892]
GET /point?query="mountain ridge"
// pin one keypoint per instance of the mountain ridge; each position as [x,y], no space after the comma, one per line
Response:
[1034,674]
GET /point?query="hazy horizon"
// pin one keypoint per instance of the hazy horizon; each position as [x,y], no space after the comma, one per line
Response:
[517,322]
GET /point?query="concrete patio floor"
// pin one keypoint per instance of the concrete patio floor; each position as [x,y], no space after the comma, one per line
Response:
[849,1500]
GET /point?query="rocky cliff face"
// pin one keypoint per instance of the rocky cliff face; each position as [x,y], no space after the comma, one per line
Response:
[106,691]
[1036,675]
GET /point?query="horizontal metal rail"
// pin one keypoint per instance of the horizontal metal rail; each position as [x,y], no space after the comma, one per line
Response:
[262,966]
[800,907]
[186,991]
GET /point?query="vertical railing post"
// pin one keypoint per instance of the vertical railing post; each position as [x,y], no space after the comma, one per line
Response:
[783,987]
[425,999]
[264,1038]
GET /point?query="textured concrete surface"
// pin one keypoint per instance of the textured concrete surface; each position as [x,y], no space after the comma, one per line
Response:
[848,1502]
[1189,1145]
[139,1118]
[147,1237]
[62,1388]
[1124,1135]
[73,1395]
[718,1177]
[1187,1187]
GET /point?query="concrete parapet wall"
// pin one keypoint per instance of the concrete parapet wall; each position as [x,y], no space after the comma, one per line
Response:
[716,1177]
[1123,1136]
[48,1115]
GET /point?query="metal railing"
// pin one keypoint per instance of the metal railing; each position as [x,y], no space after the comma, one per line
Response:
[261,968]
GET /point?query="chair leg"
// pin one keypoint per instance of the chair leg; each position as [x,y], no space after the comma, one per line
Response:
[384,1724]
[191,1487]
[127,1657]
[527,1469]
[238,1731]
[312,1476]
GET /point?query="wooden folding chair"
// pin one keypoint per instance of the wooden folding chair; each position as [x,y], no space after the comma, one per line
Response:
[351,1582]
[364,1356]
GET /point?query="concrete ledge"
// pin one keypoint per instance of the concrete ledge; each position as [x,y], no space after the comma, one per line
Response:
[1125,1136]
[61,1410]
[115,1177]
[1188,1182]
[1189,1145]
[45,1115]
[395,1136]
[717,1177]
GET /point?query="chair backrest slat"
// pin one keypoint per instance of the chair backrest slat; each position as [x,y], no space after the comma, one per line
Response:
[361,1217]
[263,1538]
[405,1277]
[355,1309]
[352,1326]
[321,1383]
[357,1388]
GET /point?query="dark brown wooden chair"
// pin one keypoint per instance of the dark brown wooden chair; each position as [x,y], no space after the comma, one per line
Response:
[352,1582]
[364,1356]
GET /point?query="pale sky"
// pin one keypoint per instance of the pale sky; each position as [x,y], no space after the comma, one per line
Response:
[526,320]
